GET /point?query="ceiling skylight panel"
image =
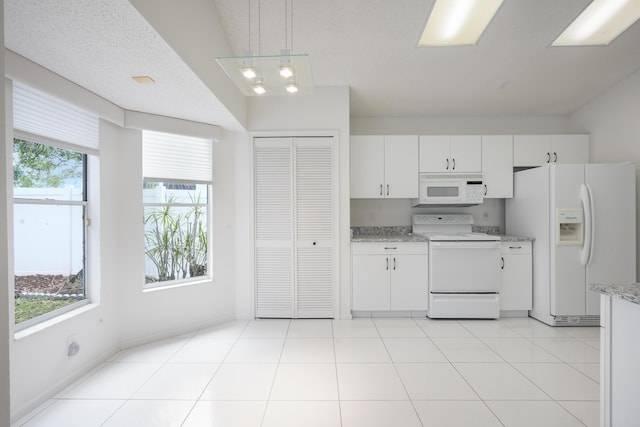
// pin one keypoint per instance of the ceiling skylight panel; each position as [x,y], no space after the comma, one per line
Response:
[458,22]
[600,23]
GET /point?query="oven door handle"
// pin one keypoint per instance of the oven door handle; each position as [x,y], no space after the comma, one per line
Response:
[465,244]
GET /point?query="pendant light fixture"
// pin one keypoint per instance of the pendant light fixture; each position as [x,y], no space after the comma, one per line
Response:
[262,75]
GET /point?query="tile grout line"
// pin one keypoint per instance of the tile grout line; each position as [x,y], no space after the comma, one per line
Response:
[198,399]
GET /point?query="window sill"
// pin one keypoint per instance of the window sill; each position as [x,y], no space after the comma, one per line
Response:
[181,284]
[32,330]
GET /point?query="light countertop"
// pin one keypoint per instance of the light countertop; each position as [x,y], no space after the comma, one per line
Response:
[627,291]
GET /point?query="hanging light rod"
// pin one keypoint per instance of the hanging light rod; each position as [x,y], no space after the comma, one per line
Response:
[263,75]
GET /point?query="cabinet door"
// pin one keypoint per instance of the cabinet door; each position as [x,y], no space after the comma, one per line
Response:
[274,228]
[370,282]
[516,292]
[531,150]
[366,165]
[570,148]
[409,275]
[497,166]
[466,153]
[434,153]
[314,219]
[401,167]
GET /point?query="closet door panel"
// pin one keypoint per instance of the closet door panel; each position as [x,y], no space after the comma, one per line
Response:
[314,219]
[274,273]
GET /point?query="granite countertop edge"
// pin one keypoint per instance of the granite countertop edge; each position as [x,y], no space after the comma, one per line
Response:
[626,291]
[511,238]
[388,238]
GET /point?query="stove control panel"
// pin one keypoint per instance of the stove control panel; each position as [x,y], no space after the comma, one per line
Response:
[443,219]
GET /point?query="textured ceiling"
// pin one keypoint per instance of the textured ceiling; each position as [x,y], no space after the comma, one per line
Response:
[368,45]
[100,45]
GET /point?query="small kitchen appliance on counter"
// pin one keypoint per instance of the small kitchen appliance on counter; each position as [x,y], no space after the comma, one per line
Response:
[464,267]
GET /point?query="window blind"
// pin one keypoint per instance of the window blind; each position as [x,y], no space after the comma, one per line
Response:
[37,113]
[170,157]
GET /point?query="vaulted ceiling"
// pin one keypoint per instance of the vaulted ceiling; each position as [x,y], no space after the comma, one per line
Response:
[368,45]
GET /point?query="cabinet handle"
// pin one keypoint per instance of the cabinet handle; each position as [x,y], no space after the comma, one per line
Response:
[394,263]
[387,259]
[548,157]
[555,157]
[502,263]
[381,189]
[391,247]
[454,164]
[387,189]
[447,164]
[515,247]
[314,243]
[485,189]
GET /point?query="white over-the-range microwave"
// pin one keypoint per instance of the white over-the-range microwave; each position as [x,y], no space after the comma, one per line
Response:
[450,189]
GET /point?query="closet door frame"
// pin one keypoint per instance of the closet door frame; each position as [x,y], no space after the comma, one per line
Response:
[335,244]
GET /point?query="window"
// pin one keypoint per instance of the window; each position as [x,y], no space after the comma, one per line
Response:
[54,145]
[50,207]
[176,195]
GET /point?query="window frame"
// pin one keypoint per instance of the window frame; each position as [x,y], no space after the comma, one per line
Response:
[84,203]
[208,276]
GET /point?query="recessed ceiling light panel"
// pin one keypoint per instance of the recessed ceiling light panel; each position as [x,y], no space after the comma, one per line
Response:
[458,22]
[600,23]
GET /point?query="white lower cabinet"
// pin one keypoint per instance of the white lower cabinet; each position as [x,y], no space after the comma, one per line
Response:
[619,368]
[389,276]
[517,288]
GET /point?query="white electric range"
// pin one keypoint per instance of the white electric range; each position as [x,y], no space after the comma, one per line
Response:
[464,267]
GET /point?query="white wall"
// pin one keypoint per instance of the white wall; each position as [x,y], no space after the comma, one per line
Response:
[39,362]
[121,314]
[326,110]
[146,315]
[488,125]
[612,119]
[5,258]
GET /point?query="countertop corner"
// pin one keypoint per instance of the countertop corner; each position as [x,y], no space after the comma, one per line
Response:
[627,291]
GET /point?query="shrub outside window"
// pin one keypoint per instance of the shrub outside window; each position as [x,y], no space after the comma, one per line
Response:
[176,231]
[50,206]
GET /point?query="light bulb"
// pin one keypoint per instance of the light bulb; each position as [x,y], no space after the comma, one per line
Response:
[292,87]
[259,88]
[286,71]
[249,72]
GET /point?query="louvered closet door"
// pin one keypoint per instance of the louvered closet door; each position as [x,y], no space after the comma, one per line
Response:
[274,227]
[315,222]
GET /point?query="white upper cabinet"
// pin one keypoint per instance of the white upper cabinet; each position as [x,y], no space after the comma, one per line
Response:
[538,150]
[570,148]
[497,166]
[450,153]
[384,166]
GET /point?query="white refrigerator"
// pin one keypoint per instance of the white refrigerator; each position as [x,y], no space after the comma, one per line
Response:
[583,220]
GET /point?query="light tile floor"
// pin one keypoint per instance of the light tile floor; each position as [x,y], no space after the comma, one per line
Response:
[349,373]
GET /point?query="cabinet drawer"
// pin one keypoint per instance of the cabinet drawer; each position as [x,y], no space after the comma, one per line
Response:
[515,248]
[389,248]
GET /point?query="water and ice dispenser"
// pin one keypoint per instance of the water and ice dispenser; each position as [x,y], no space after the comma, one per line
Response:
[569,227]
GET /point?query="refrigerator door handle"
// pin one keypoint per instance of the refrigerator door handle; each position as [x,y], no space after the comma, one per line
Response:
[587,207]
